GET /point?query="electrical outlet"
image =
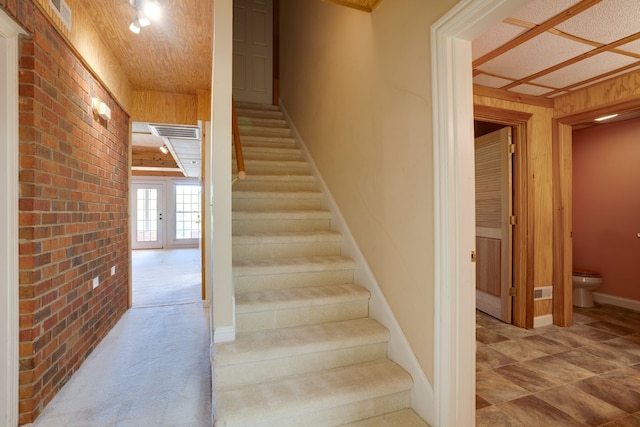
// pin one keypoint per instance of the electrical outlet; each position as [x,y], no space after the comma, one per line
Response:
[96,282]
[113,270]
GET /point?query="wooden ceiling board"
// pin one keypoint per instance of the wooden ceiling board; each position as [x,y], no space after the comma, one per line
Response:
[171,55]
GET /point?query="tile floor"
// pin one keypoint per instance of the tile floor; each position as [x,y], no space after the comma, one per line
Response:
[584,375]
[153,367]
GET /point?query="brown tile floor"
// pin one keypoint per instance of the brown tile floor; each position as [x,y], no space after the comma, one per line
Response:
[584,375]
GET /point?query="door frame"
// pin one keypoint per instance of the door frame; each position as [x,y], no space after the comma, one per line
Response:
[454,210]
[9,184]
[523,307]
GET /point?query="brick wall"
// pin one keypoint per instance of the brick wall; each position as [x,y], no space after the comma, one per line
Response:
[73,211]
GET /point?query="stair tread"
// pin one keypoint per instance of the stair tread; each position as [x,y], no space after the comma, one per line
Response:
[266,403]
[404,418]
[286,237]
[276,299]
[281,194]
[255,106]
[282,214]
[292,265]
[267,162]
[286,342]
[280,177]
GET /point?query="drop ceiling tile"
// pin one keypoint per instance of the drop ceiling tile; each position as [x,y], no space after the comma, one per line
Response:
[585,69]
[493,38]
[539,11]
[537,54]
[605,22]
[630,70]
[531,89]
[633,47]
[490,81]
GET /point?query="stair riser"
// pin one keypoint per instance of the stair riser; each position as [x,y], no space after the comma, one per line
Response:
[279,225]
[227,376]
[250,185]
[266,131]
[336,416]
[286,318]
[246,122]
[258,114]
[276,169]
[269,155]
[293,280]
[284,250]
[251,204]
[268,141]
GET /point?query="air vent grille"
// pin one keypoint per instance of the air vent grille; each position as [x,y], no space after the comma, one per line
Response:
[176,132]
[62,9]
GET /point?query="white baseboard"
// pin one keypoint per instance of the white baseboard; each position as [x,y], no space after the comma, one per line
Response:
[544,320]
[631,304]
[398,349]
[224,334]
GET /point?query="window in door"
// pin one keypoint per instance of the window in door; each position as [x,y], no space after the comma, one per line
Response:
[148,233]
[187,212]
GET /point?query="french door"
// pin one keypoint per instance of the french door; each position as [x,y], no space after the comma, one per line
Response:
[147,211]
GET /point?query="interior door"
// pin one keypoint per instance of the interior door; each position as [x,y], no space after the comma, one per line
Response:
[493,162]
[147,210]
[253,51]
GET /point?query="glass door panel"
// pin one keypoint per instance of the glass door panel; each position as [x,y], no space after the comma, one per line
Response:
[147,216]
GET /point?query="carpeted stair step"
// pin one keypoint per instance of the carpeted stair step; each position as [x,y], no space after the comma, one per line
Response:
[282,273]
[265,131]
[256,106]
[248,122]
[278,353]
[321,399]
[270,153]
[275,183]
[282,167]
[285,244]
[276,200]
[284,308]
[256,113]
[403,418]
[268,141]
[276,221]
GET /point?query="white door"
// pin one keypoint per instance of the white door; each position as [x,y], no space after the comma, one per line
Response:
[147,210]
[253,51]
[493,229]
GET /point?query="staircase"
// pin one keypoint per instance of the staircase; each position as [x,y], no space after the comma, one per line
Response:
[306,352]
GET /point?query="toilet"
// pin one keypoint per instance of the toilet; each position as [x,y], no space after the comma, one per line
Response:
[584,282]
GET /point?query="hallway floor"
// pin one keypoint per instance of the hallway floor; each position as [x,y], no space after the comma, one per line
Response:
[584,375]
[152,369]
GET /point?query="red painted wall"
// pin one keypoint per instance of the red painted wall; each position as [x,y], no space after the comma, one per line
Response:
[606,205]
[73,211]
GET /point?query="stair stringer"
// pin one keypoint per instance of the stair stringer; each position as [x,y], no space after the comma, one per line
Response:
[399,349]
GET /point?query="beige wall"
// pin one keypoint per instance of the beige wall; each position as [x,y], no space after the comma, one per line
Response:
[358,88]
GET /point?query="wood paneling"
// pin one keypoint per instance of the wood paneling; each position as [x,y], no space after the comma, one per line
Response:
[624,89]
[93,51]
[161,107]
[204,105]
[542,307]
[172,55]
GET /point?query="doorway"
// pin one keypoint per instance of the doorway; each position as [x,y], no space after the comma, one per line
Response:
[166,242]
[494,219]
[9,32]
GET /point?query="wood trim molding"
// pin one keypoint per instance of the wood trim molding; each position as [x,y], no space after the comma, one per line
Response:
[513,96]
[9,161]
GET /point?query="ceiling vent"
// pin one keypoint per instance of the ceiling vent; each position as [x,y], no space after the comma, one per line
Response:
[61,8]
[174,131]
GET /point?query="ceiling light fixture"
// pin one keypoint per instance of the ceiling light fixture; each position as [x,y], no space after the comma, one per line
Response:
[164,149]
[146,11]
[603,118]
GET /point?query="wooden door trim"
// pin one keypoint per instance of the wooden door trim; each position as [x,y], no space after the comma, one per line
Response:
[522,249]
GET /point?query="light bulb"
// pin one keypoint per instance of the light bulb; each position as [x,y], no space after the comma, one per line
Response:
[152,9]
[135,26]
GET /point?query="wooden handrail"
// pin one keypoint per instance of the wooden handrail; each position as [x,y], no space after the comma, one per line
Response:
[236,143]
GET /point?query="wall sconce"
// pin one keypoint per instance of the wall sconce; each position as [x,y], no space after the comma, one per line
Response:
[164,149]
[101,109]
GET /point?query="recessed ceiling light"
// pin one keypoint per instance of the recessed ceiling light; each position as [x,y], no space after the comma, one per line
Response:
[603,118]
